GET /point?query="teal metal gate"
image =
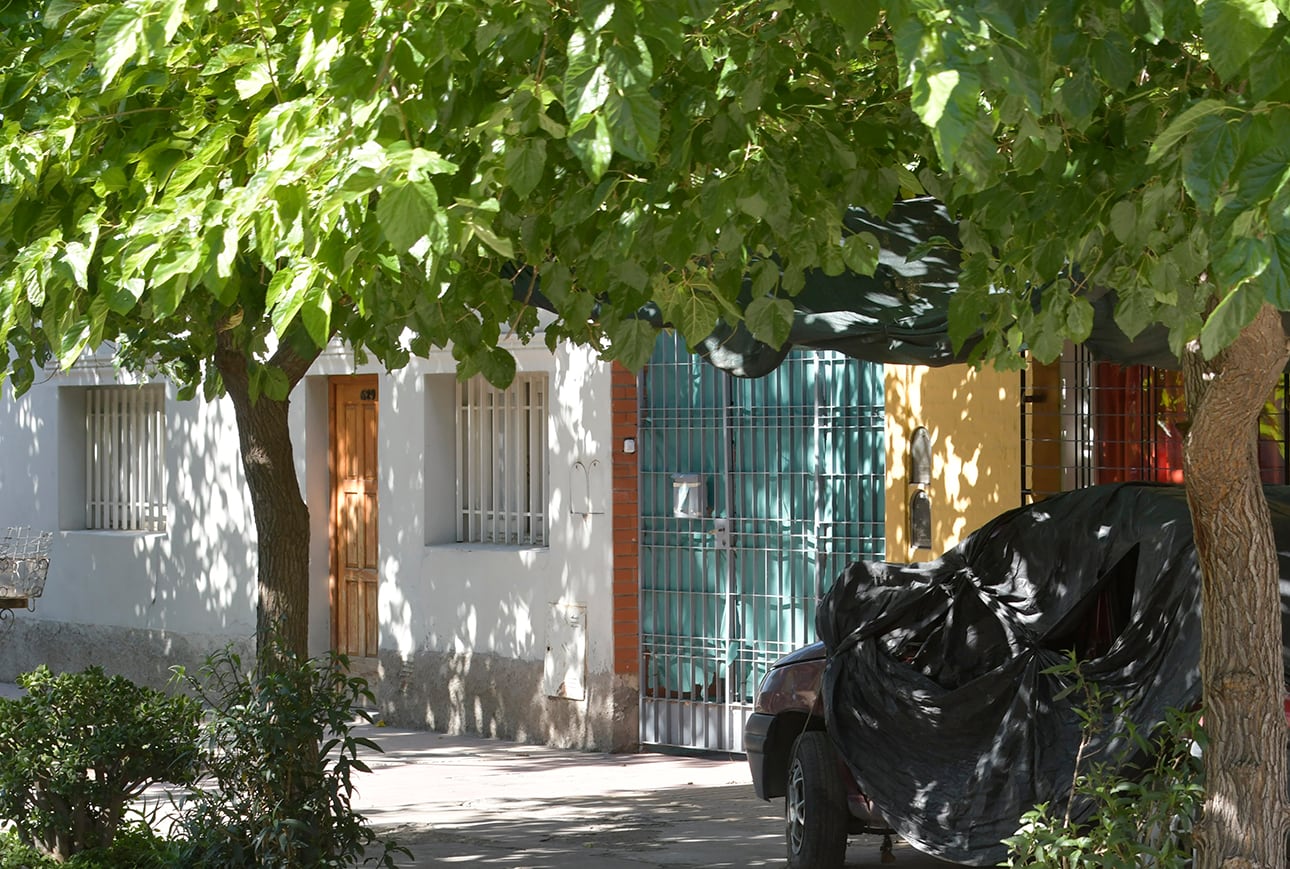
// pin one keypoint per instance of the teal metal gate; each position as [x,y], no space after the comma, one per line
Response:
[754,495]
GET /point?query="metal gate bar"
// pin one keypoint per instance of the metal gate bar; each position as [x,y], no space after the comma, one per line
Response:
[784,478]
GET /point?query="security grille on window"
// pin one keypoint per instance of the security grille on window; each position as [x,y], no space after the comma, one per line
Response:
[502,462]
[125,458]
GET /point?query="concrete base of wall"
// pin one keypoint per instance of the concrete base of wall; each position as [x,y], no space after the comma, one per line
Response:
[142,656]
[449,693]
[503,698]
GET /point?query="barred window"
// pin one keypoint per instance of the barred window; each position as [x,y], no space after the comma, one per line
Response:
[125,458]
[502,461]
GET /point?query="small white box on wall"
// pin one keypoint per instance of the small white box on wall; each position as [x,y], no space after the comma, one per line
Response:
[564,672]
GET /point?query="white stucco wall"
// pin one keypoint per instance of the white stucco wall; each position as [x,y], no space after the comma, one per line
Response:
[196,577]
[439,600]
[440,596]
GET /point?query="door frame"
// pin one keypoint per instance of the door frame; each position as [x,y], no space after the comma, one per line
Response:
[333,517]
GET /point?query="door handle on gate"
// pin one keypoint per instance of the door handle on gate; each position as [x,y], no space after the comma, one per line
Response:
[720,533]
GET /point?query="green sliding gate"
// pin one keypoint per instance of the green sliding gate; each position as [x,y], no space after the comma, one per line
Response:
[754,495]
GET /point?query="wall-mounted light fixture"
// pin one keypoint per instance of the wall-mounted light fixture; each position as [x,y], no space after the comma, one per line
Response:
[920,476]
[629,445]
[688,500]
[920,458]
[920,520]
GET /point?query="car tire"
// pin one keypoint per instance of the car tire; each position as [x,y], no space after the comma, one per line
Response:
[815,805]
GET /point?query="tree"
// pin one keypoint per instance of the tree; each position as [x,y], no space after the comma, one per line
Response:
[1142,147]
[223,188]
[220,189]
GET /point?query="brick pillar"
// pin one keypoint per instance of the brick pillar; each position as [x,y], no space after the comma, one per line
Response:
[626,568]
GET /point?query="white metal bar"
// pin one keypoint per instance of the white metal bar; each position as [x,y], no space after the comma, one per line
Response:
[91,448]
[463,431]
[484,447]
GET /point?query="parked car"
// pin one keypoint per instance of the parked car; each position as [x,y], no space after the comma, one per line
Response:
[947,719]
[791,756]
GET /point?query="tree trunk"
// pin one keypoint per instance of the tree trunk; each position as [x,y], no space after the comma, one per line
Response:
[281,517]
[1245,819]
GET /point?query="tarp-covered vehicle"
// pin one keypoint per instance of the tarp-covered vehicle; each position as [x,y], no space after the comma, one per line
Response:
[932,697]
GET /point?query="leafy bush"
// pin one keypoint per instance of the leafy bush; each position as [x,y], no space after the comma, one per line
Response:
[135,845]
[79,747]
[1144,804]
[281,753]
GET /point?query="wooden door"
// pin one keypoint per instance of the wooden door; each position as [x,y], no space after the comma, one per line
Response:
[354,483]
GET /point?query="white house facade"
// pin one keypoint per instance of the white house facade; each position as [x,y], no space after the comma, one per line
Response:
[461,537]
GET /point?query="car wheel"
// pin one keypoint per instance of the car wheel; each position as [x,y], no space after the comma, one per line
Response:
[815,805]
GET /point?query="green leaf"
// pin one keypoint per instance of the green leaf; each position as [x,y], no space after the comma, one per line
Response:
[947,103]
[253,80]
[484,232]
[289,298]
[117,42]
[556,280]
[694,313]
[274,384]
[415,163]
[524,164]
[1113,61]
[278,285]
[179,258]
[754,205]
[1274,281]
[1234,30]
[405,211]
[77,256]
[634,123]
[1134,312]
[633,342]
[1233,313]
[590,142]
[856,18]
[1208,159]
[860,252]
[167,295]
[56,9]
[629,64]
[74,336]
[1182,125]
[1080,96]
[770,320]
[496,364]
[586,83]
[1241,261]
[1079,319]
[1124,221]
[765,277]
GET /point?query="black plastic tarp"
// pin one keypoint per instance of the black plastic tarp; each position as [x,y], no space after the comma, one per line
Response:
[935,690]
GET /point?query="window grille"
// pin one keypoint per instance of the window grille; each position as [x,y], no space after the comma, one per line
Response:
[502,461]
[125,458]
[1086,422]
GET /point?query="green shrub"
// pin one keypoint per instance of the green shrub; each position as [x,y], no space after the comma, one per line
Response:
[135,846]
[1144,804]
[281,753]
[79,747]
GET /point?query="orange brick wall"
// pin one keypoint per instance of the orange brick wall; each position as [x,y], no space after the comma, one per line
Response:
[626,495]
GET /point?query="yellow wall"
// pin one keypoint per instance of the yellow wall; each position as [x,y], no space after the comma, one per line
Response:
[973,418]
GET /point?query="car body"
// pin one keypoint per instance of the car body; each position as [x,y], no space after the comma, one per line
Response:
[789,707]
[790,756]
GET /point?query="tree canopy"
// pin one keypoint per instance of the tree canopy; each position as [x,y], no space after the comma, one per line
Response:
[293,171]
[221,188]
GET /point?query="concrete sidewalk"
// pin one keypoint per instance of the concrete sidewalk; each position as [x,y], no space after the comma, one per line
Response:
[455,800]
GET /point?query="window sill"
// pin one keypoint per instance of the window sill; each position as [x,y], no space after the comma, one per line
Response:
[509,548]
